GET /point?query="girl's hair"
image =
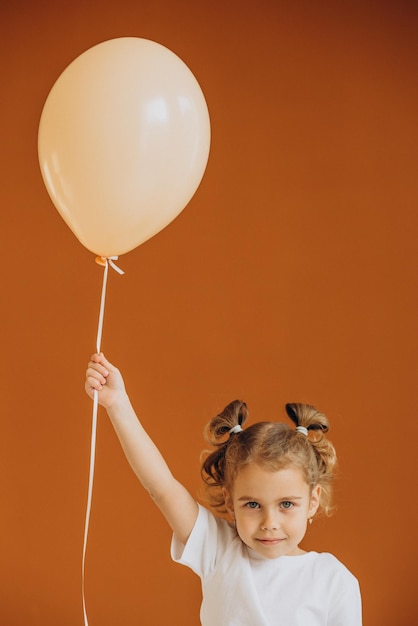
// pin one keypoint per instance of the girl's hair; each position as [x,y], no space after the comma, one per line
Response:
[272,445]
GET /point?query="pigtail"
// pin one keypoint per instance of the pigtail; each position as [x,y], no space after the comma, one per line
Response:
[234,414]
[218,434]
[307,416]
[316,424]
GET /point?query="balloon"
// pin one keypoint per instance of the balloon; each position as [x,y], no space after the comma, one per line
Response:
[123,143]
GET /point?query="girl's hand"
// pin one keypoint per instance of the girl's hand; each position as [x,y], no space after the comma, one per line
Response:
[106,379]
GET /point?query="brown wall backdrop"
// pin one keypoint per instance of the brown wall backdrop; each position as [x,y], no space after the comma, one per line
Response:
[291,276]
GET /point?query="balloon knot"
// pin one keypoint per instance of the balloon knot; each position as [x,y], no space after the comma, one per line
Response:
[104,261]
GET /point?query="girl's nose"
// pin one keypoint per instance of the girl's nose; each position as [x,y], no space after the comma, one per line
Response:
[270,522]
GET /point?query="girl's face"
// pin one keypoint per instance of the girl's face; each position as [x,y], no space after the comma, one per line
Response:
[271,509]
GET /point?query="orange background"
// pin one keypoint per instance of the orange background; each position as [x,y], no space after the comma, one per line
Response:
[291,276]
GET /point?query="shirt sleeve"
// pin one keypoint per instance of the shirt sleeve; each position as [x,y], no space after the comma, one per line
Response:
[346,610]
[199,552]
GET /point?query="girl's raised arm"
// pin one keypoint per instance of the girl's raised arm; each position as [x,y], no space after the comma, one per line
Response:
[175,502]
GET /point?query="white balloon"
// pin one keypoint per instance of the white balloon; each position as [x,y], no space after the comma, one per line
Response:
[123,143]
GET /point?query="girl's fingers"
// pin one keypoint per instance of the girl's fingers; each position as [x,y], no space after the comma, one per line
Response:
[98,370]
[104,362]
[93,385]
[99,357]
[98,367]
[94,374]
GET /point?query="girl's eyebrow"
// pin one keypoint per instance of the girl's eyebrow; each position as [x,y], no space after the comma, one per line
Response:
[292,498]
[253,499]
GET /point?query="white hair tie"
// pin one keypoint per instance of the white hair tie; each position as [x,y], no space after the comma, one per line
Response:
[235,429]
[302,429]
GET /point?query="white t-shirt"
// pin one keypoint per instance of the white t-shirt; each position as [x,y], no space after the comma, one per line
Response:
[241,588]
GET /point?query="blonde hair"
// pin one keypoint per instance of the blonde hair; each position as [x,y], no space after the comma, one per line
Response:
[272,445]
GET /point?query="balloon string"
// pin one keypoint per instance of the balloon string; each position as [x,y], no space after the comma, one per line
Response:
[105,262]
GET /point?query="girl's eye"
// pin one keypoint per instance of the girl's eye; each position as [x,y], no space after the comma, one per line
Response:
[252,505]
[286,504]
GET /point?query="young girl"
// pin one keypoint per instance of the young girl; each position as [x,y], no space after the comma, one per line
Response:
[271,480]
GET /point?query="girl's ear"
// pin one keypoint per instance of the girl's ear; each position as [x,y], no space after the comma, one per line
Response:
[315,498]
[228,502]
